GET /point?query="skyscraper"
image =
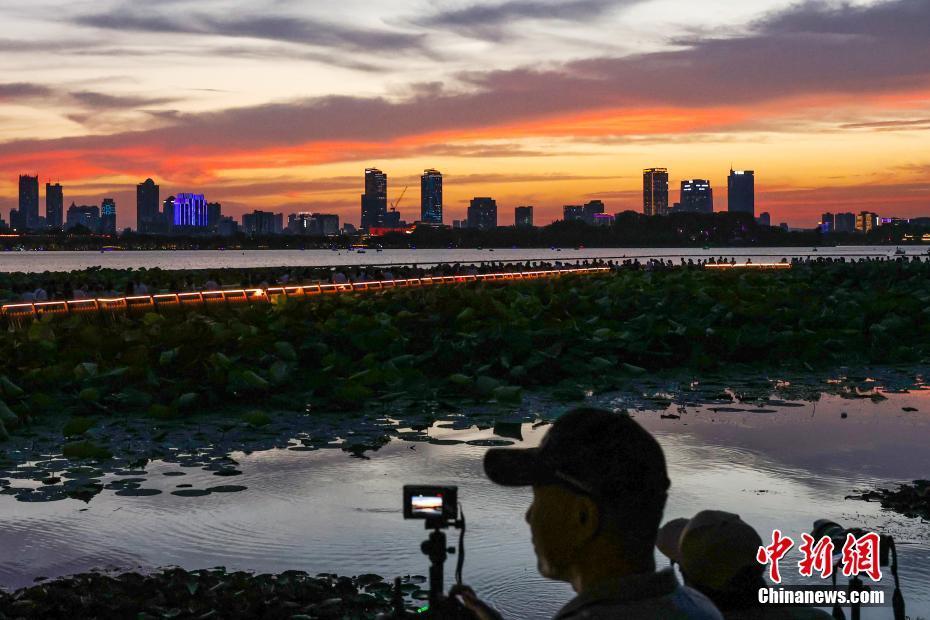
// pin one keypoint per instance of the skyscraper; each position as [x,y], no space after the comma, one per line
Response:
[741,192]
[190,210]
[86,216]
[591,210]
[263,223]
[572,213]
[29,201]
[655,191]
[482,213]
[108,216]
[431,197]
[164,221]
[523,217]
[54,205]
[214,214]
[845,222]
[147,207]
[374,200]
[697,196]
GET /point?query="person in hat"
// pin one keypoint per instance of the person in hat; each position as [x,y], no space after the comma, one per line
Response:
[716,553]
[599,488]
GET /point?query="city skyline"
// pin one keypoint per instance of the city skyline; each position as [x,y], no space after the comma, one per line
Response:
[828,101]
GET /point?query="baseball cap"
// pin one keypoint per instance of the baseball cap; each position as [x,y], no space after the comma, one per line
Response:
[712,547]
[600,453]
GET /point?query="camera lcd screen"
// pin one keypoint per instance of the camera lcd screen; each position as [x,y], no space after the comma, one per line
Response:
[426,505]
[432,503]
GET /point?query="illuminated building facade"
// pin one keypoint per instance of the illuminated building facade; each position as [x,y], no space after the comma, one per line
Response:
[741,192]
[431,197]
[190,211]
[108,216]
[482,213]
[866,221]
[374,200]
[697,196]
[655,191]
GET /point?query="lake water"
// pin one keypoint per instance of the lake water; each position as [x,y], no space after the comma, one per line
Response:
[37,262]
[323,511]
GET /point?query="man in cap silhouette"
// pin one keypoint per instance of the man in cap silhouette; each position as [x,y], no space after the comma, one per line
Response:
[599,488]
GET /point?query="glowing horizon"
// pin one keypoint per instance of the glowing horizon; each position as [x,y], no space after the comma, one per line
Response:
[531,102]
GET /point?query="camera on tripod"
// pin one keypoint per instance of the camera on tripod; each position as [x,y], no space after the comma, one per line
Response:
[438,507]
[887,556]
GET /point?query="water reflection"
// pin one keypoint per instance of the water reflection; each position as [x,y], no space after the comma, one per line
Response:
[321,511]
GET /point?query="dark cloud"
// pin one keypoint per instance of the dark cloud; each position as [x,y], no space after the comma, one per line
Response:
[892,125]
[101,101]
[492,21]
[15,91]
[472,179]
[792,54]
[275,28]
[487,150]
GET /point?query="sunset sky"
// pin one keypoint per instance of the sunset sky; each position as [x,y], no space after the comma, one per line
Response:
[281,104]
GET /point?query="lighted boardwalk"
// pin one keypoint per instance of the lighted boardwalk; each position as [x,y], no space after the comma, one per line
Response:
[20,313]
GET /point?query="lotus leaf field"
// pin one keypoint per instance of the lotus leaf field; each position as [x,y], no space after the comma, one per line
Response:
[481,342]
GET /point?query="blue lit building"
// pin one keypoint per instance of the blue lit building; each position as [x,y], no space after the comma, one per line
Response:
[190,211]
[108,217]
[431,197]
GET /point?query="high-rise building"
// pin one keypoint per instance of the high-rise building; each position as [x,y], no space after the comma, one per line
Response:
[214,214]
[108,216]
[591,210]
[655,191]
[572,213]
[54,205]
[523,217]
[227,226]
[866,221]
[827,223]
[190,211]
[263,223]
[764,219]
[328,223]
[845,222]
[86,216]
[482,213]
[741,192]
[392,219]
[300,223]
[165,220]
[147,204]
[29,201]
[16,221]
[431,197]
[374,200]
[697,196]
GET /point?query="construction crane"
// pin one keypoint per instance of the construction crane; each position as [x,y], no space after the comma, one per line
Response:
[399,198]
